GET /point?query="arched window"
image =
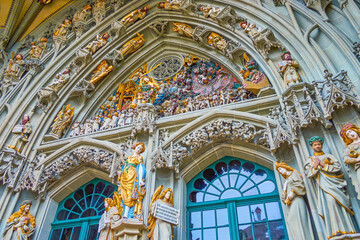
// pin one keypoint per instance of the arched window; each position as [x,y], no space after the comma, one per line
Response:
[78,215]
[234,199]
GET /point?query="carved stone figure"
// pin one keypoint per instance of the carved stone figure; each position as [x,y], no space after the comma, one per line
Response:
[217,41]
[183,29]
[110,215]
[287,67]
[38,51]
[12,73]
[62,121]
[292,196]
[60,80]
[134,16]
[101,71]
[79,20]
[350,133]
[21,134]
[98,43]
[209,11]
[160,229]
[170,4]
[132,45]
[99,10]
[333,204]
[22,222]
[131,182]
[62,29]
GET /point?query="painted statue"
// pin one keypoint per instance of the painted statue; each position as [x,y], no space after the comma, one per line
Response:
[287,67]
[333,204]
[21,222]
[110,215]
[183,29]
[63,29]
[131,182]
[132,45]
[21,134]
[83,14]
[292,196]
[101,71]
[217,41]
[209,11]
[16,67]
[160,229]
[350,134]
[62,121]
[98,43]
[37,51]
[170,5]
[60,80]
[254,79]
[148,89]
[249,28]
[134,16]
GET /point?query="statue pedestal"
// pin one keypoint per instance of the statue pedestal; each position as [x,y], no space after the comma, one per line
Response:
[129,229]
[347,237]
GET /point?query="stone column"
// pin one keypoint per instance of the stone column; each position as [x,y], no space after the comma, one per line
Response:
[129,229]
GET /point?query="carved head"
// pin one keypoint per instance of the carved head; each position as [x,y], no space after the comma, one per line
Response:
[87,7]
[25,119]
[161,5]
[105,36]
[146,8]
[19,57]
[67,21]
[283,169]
[286,56]
[44,40]
[108,203]
[167,195]
[243,24]
[316,143]
[139,147]
[25,206]
[349,132]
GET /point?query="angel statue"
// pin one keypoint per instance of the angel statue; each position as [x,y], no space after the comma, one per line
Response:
[131,182]
[159,229]
[62,121]
[22,222]
[110,215]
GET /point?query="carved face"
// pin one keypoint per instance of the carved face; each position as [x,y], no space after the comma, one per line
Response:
[106,204]
[352,134]
[167,195]
[138,149]
[283,171]
[27,208]
[287,56]
[317,146]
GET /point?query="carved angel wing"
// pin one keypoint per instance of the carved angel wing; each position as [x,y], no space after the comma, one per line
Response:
[151,218]
[117,202]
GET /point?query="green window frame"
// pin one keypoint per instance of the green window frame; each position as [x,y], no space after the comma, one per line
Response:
[78,215]
[234,199]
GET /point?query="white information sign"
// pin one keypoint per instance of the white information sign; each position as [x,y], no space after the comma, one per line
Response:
[167,213]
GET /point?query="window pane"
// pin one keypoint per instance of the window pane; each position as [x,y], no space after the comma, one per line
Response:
[92,232]
[245,232]
[77,209]
[89,189]
[273,210]
[209,174]
[209,197]
[213,190]
[257,212]
[76,233]
[240,181]
[243,214]
[209,234]
[99,187]
[200,184]
[234,166]
[73,216]
[88,213]
[251,192]
[247,185]
[233,178]
[79,194]
[247,168]
[225,181]
[66,234]
[108,190]
[208,218]
[62,215]
[69,203]
[195,235]
[259,175]
[261,231]
[222,217]
[218,184]
[196,196]
[230,193]
[277,230]
[223,233]
[266,187]
[195,220]
[221,168]
[56,234]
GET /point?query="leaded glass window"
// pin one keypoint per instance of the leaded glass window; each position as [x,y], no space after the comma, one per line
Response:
[234,199]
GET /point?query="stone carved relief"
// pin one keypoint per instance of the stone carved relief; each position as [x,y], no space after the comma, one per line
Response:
[11,163]
[144,119]
[99,10]
[60,36]
[225,16]
[37,178]
[80,20]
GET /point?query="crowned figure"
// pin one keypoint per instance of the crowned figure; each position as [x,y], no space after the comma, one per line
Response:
[333,204]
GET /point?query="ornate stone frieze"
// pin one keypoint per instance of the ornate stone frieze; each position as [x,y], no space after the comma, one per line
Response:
[159,27]
[37,178]
[144,119]
[356,47]
[11,163]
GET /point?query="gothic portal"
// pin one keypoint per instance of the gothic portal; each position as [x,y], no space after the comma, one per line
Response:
[179,119]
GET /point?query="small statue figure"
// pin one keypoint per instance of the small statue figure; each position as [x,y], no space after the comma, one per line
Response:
[209,11]
[148,89]
[292,197]
[63,29]
[114,121]
[107,122]
[101,71]
[170,4]
[98,43]
[22,222]
[131,183]
[60,80]
[132,45]
[324,170]
[287,67]
[37,51]
[76,129]
[217,41]
[110,215]
[99,10]
[62,121]
[160,229]
[134,16]
[21,134]
[255,80]
[350,133]
[82,15]
[184,29]
[249,28]
[129,116]
[16,67]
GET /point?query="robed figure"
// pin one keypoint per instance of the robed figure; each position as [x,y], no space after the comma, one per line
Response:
[132,183]
[332,201]
[110,215]
[292,197]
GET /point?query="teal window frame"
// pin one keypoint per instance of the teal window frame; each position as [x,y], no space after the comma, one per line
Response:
[231,204]
[83,222]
